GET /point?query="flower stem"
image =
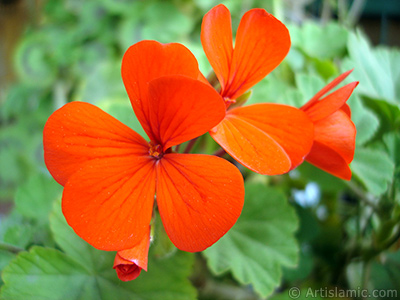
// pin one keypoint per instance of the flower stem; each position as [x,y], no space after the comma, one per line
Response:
[364,197]
[60,93]
[190,145]
[221,152]
[213,80]
[10,248]
[278,9]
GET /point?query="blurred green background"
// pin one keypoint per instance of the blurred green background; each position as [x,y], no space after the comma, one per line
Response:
[344,234]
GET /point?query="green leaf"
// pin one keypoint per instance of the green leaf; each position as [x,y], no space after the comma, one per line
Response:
[89,57]
[309,226]
[378,70]
[162,245]
[260,243]
[34,198]
[33,62]
[10,163]
[63,45]
[278,91]
[392,142]
[72,244]
[323,42]
[374,169]
[18,235]
[93,22]
[385,275]
[366,122]
[21,145]
[165,22]
[388,114]
[161,21]
[121,6]
[299,294]
[302,270]
[5,258]
[294,98]
[44,274]
[129,30]
[85,273]
[295,59]
[270,89]
[19,99]
[308,85]
[354,274]
[122,110]
[326,68]
[103,83]
[197,49]
[235,7]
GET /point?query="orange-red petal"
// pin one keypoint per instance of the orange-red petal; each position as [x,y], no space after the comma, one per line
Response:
[335,133]
[79,132]
[346,109]
[262,42]
[109,202]
[338,133]
[216,38]
[129,263]
[182,108]
[326,89]
[203,79]
[331,103]
[251,146]
[329,160]
[199,197]
[267,138]
[148,60]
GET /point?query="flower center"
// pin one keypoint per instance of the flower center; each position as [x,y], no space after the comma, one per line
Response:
[155,150]
[229,101]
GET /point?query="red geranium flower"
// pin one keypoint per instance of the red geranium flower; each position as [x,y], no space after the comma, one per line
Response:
[110,173]
[334,132]
[267,138]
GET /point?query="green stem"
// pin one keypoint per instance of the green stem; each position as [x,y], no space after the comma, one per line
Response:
[60,93]
[213,80]
[326,12]
[10,248]
[391,241]
[355,12]
[342,11]
[364,197]
[221,152]
[365,276]
[190,145]
[366,253]
[279,9]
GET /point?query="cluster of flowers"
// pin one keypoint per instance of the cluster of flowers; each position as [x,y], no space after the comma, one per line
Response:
[111,174]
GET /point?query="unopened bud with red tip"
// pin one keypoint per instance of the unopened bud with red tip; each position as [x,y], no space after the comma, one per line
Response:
[129,263]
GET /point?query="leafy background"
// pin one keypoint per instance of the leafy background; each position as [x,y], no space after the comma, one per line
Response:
[306,229]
